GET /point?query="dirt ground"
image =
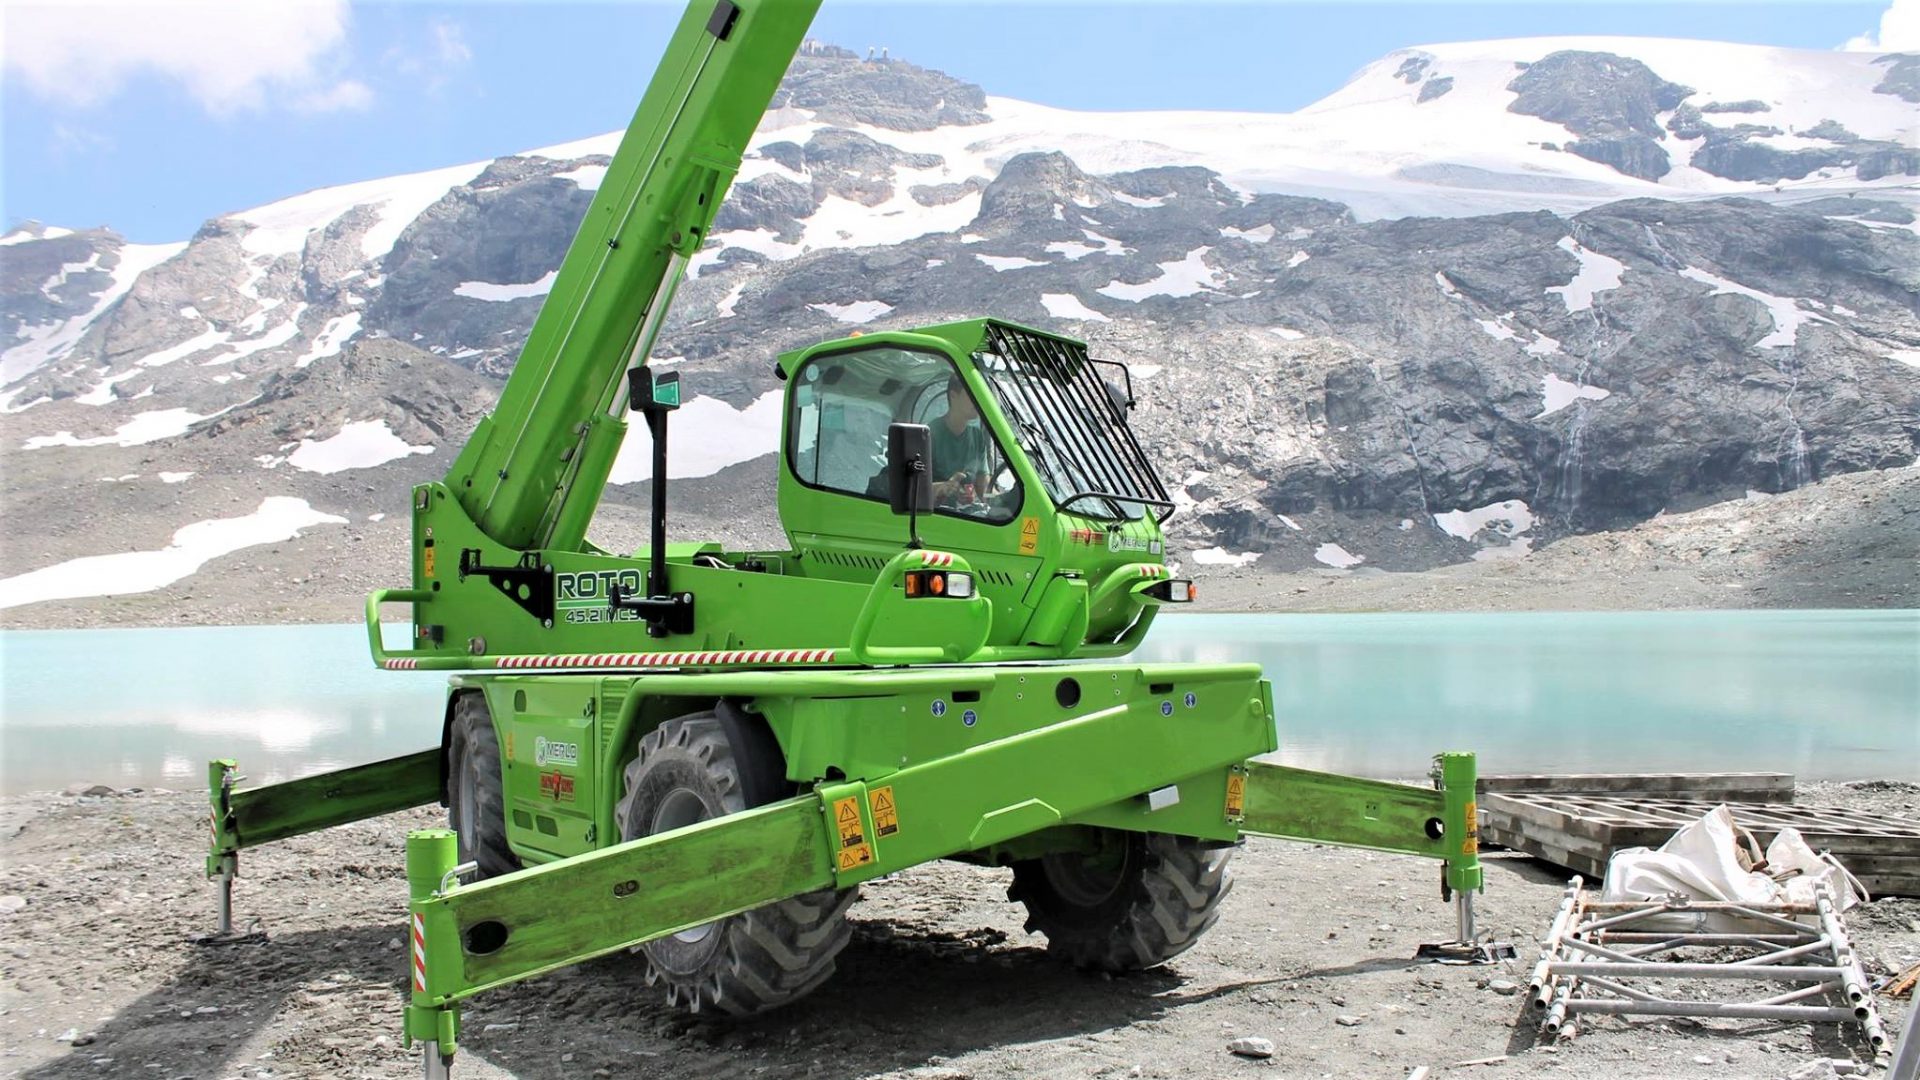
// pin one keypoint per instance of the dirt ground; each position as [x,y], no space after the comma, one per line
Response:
[98,978]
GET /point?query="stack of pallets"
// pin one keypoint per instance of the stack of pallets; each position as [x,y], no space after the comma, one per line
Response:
[1579,821]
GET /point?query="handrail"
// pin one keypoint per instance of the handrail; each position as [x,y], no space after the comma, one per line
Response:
[378,597]
[860,652]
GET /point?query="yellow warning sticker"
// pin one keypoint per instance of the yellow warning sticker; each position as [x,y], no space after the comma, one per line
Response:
[1029,535]
[857,855]
[1471,845]
[886,821]
[846,818]
[1236,795]
[427,559]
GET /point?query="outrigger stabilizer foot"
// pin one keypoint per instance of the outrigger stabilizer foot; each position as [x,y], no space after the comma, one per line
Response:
[1459,880]
[223,862]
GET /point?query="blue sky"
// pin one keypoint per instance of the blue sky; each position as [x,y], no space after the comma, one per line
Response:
[144,120]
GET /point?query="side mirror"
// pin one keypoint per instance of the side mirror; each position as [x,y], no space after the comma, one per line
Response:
[910,468]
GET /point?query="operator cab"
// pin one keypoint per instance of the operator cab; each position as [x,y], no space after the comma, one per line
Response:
[1036,475]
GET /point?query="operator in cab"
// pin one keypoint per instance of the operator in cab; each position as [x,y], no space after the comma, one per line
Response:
[959,449]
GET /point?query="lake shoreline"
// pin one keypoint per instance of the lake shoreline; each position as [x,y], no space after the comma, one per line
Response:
[1311,951]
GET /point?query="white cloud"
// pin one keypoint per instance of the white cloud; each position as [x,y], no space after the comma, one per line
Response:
[229,55]
[1899,30]
[347,94]
[435,61]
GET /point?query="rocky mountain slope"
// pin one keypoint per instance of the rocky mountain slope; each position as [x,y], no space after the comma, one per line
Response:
[1553,286]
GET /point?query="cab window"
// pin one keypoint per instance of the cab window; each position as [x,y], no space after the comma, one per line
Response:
[842,404]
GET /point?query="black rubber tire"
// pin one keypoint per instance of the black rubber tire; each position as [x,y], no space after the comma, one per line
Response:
[688,769]
[1144,899]
[476,801]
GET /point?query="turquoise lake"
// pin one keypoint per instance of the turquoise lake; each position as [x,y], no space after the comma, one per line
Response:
[1820,694]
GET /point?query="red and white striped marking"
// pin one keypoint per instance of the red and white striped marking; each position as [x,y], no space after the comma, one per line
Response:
[419,954]
[1151,570]
[936,558]
[651,659]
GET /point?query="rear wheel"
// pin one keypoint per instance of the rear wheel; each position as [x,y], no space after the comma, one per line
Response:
[476,805]
[690,770]
[1138,900]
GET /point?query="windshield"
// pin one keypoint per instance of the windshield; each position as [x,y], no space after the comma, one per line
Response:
[1072,425]
[842,404]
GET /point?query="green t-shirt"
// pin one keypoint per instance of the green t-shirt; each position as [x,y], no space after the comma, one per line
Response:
[964,452]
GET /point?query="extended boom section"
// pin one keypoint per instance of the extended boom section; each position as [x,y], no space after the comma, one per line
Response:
[533,472]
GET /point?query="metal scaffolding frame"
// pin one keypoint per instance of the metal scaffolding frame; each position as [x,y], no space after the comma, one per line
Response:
[1598,957]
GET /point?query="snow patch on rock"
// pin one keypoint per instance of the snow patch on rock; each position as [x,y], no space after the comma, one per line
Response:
[1219,556]
[487,290]
[1597,274]
[1181,277]
[1557,393]
[1332,554]
[360,445]
[144,428]
[1786,313]
[857,313]
[277,518]
[1068,306]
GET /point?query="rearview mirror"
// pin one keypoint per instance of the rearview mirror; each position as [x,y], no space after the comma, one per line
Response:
[909,468]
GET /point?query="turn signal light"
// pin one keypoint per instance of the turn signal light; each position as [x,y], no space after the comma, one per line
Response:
[945,583]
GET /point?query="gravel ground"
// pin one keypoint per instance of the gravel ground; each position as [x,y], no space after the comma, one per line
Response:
[97,978]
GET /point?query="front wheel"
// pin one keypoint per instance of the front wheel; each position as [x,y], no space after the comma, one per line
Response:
[688,771]
[476,803]
[1135,901]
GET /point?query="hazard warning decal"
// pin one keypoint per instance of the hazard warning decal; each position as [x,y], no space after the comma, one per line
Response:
[854,849]
[1471,845]
[1236,795]
[886,821]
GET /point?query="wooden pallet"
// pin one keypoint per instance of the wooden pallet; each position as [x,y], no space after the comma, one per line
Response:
[1759,787]
[1582,831]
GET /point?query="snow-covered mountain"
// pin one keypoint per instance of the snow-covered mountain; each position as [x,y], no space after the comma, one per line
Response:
[1482,295]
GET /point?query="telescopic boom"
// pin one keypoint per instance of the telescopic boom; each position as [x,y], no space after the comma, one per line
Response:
[533,472]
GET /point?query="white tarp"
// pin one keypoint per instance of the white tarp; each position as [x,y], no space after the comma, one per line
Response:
[1714,859]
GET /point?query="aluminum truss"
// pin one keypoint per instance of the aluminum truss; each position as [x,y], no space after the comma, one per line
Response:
[1599,958]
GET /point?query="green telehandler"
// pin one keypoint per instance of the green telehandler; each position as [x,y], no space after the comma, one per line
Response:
[704,752]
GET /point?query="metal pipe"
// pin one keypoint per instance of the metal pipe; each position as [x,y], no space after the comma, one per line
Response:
[1854,979]
[226,903]
[1652,969]
[1796,995]
[1783,954]
[1623,989]
[452,877]
[1702,905]
[1625,937]
[1463,907]
[1721,1009]
[1769,916]
[1602,950]
[1906,1060]
[432,1065]
[1537,985]
[1557,1014]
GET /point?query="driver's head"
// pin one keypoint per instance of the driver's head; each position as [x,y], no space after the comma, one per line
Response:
[960,410]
